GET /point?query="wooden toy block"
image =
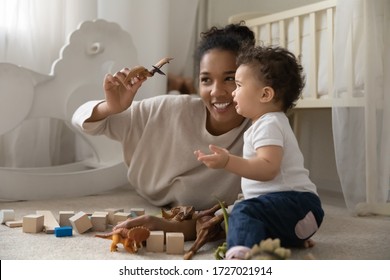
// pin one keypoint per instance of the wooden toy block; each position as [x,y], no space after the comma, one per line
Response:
[155,242]
[175,243]
[7,215]
[99,221]
[135,212]
[63,231]
[13,224]
[64,218]
[80,222]
[111,213]
[49,222]
[33,223]
[120,217]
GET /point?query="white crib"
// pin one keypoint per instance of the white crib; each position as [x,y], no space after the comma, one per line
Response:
[308,32]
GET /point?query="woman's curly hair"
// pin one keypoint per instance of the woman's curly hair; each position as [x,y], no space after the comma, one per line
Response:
[277,68]
[232,37]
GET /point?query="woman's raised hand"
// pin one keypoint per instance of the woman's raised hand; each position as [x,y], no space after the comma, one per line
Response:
[119,93]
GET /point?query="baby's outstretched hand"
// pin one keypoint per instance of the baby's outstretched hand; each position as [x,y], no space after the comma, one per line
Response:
[217,159]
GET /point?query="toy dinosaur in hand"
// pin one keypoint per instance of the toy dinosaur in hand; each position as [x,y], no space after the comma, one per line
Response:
[142,72]
[130,238]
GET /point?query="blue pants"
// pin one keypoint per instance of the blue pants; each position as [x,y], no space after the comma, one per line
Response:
[291,216]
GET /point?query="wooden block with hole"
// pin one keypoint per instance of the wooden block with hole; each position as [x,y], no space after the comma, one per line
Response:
[80,222]
[155,242]
[174,243]
[64,218]
[33,223]
[50,222]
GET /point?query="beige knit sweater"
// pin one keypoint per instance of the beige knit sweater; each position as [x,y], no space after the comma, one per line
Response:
[159,136]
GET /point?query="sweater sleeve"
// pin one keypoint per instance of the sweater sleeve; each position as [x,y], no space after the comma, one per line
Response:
[82,114]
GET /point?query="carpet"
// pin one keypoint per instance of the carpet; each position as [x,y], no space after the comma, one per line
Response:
[341,236]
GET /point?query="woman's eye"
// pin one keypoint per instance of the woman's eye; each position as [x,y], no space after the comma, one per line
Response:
[230,79]
[204,80]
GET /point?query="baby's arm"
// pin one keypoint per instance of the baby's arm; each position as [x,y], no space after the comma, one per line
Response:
[218,159]
[263,167]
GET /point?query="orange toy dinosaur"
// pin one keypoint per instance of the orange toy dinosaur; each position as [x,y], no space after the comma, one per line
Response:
[130,238]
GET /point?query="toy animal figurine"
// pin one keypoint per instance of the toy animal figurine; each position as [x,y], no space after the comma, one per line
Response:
[142,72]
[208,225]
[208,229]
[178,213]
[268,249]
[130,238]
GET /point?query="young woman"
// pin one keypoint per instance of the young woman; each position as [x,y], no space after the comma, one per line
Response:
[159,134]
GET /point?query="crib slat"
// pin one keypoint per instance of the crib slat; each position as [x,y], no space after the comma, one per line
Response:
[282,34]
[329,18]
[269,34]
[350,66]
[297,37]
[313,56]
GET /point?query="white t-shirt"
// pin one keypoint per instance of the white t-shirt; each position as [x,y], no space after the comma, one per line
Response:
[159,136]
[274,129]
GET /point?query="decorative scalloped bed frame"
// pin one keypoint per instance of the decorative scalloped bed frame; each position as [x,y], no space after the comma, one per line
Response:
[92,50]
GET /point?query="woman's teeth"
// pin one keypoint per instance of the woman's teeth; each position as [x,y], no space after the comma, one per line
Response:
[221,106]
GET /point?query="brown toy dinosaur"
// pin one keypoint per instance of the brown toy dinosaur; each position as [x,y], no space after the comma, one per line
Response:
[142,72]
[207,224]
[178,213]
[130,238]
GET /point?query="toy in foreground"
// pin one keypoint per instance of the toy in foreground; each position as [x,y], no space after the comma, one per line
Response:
[268,249]
[208,228]
[130,238]
[142,72]
[208,225]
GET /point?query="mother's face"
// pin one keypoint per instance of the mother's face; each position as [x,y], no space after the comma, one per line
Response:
[216,84]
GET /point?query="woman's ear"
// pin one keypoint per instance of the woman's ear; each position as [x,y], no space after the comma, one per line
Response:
[267,94]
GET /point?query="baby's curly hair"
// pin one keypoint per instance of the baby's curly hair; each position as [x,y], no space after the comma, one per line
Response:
[278,68]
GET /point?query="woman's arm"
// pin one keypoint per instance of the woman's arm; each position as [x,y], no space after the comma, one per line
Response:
[187,227]
[118,95]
